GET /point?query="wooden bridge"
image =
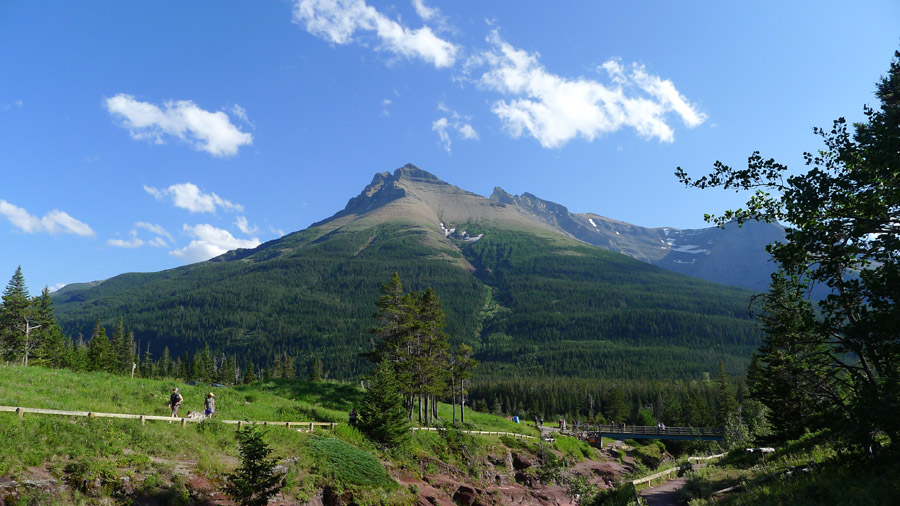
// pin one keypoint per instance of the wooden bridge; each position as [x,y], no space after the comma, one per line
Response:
[594,433]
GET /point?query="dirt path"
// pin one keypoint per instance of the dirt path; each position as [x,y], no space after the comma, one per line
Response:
[665,494]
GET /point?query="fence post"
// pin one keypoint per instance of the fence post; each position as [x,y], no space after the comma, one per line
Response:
[143,420]
[20,413]
[183,422]
[240,423]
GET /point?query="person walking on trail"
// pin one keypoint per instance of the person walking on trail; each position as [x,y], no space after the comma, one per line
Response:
[352,416]
[210,405]
[174,401]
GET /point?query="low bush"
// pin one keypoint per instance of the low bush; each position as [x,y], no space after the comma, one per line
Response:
[346,466]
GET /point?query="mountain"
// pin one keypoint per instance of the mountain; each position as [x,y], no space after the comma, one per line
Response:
[733,256]
[528,296]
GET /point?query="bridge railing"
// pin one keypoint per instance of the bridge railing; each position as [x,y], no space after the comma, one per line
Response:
[652,430]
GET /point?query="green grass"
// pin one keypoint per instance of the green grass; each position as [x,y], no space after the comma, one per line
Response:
[806,472]
[85,451]
[573,448]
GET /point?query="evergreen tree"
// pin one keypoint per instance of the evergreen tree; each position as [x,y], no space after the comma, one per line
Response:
[165,365]
[148,367]
[382,416]
[228,371]
[250,375]
[614,408]
[789,373]
[99,355]
[287,370]
[462,373]
[277,367]
[726,400]
[117,347]
[255,481]
[315,371]
[15,313]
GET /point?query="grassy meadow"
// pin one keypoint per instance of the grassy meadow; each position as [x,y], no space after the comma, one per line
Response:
[94,455]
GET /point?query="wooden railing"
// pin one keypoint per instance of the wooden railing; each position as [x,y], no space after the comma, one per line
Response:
[20,412]
[652,430]
[481,432]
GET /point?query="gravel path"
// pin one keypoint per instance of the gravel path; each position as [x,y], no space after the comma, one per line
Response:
[665,494]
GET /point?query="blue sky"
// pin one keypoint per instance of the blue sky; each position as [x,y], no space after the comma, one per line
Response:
[139,136]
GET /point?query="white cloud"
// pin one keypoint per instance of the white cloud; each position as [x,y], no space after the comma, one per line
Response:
[425,12]
[210,242]
[453,121]
[56,287]
[245,227]
[440,126]
[53,222]
[135,242]
[189,196]
[555,109]
[337,21]
[468,132]
[155,229]
[212,132]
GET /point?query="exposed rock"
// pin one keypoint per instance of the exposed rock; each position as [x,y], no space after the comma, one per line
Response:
[520,462]
[465,496]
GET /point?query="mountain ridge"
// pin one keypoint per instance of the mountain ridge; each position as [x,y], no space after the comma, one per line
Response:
[526,295]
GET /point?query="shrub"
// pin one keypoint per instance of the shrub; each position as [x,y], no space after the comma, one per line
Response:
[255,481]
[348,466]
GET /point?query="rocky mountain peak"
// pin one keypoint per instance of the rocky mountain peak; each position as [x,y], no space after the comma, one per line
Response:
[410,171]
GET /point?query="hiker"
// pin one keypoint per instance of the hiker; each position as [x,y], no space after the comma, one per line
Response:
[352,416]
[174,401]
[210,405]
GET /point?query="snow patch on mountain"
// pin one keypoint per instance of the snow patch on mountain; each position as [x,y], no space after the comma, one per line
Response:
[691,249]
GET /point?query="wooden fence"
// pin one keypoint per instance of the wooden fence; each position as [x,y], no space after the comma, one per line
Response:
[481,432]
[20,412]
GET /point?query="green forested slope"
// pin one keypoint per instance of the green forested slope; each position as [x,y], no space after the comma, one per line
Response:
[535,302]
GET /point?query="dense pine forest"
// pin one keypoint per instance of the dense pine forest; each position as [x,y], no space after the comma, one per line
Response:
[532,302]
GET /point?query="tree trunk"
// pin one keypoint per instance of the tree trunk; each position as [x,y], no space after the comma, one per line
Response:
[453,399]
[462,401]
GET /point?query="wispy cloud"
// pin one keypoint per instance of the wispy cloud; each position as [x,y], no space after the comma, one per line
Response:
[244,226]
[15,103]
[554,109]
[338,21]
[53,222]
[189,196]
[154,229]
[136,242]
[207,131]
[210,242]
[425,12]
[453,121]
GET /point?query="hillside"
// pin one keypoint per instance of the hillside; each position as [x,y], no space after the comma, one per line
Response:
[80,460]
[527,297]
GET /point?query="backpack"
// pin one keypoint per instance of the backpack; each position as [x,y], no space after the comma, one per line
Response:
[174,399]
